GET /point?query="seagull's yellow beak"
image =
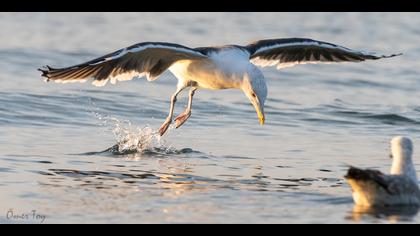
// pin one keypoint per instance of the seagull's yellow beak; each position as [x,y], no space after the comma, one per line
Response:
[261,117]
[259,107]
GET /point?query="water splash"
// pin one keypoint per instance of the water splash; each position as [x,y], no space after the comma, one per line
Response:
[137,139]
[131,138]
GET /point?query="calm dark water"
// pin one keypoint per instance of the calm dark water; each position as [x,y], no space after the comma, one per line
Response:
[59,152]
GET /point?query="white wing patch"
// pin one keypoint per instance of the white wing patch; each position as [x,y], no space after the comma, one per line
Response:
[124,77]
[100,83]
[61,81]
[264,63]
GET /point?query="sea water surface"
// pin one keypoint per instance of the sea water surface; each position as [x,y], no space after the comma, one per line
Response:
[68,152]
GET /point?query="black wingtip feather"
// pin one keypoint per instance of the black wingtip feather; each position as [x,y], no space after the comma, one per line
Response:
[389,56]
[394,55]
[45,72]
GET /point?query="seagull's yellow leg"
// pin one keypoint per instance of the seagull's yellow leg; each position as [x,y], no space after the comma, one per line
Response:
[168,120]
[179,120]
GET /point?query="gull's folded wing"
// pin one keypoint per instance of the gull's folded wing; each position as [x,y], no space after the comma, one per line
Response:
[392,184]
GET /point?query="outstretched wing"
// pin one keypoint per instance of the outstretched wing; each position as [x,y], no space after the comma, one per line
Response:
[288,52]
[144,59]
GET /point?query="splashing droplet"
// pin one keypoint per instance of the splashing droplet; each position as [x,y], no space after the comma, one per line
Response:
[138,139]
[133,139]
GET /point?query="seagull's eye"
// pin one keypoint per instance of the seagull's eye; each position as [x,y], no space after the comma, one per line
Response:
[391,156]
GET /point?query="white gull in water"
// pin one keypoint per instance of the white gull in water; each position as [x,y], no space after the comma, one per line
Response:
[373,188]
[225,67]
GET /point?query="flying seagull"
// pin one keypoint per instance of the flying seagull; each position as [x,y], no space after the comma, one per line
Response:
[371,188]
[224,67]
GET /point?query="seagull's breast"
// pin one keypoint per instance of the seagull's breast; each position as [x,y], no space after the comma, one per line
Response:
[223,69]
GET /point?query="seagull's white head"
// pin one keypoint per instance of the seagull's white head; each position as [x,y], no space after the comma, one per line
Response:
[401,153]
[255,89]
[401,148]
